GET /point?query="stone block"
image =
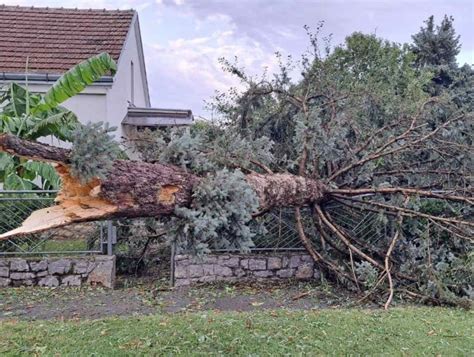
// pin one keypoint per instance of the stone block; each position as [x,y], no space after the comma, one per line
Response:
[179,257]
[22,276]
[317,274]
[208,269]
[4,262]
[4,282]
[49,281]
[284,262]
[207,279]
[41,274]
[39,266]
[182,282]
[26,282]
[4,272]
[71,280]
[82,267]
[263,273]
[306,258]
[195,271]
[60,267]
[223,271]
[210,259]
[304,271]
[104,272]
[232,262]
[285,273]
[244,263]
[257,264]
[274,263]
[19,265]
[222,258]
[180,271]
[239,273]
[295,261]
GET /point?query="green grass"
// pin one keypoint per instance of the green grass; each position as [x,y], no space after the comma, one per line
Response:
[407,331]
[64,245]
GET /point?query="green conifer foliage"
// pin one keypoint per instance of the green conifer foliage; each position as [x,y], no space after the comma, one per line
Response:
[93,151]
[219,217]
[436,46]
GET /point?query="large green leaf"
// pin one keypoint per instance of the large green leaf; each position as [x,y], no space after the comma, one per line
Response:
[59,125]
[75,80]
[15,182]
[50,179]
[7,164]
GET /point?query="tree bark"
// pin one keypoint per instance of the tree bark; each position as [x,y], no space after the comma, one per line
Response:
[138,189]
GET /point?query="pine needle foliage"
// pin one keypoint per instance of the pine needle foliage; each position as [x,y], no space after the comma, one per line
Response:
[219,217]
[93,151]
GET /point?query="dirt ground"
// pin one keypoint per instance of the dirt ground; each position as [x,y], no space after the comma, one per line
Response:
[139,297]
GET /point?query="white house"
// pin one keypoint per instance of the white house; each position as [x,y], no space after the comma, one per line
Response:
[54,40]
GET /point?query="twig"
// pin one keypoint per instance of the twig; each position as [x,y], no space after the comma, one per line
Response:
[389,253]
[378,154]
[353,270]
[408,212]
[300,295]
[403,190]
[382,277]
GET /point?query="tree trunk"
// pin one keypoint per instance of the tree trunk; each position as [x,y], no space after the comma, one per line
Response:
[138,189]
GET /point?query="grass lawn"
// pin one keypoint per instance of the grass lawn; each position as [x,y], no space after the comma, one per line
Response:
[401,331]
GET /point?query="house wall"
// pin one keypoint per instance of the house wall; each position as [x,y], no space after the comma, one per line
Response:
[109,102]
[89,105]
[121,93]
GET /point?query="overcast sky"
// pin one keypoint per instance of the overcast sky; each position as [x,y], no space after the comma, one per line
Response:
[183,39]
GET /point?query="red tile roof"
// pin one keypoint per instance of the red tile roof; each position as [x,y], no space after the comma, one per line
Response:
[57,39]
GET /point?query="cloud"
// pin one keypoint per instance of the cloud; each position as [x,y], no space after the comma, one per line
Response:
[184,39]
[189,70]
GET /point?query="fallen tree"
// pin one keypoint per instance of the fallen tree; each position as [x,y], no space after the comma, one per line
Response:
[139,189]
[369,138]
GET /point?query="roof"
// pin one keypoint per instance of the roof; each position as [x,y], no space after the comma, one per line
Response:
[54,40]
[153,117]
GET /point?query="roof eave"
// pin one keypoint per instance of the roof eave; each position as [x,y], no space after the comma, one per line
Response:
[45,78]
[154,117]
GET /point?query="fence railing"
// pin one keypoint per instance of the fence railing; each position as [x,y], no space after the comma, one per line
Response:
[86,238]
[280,232]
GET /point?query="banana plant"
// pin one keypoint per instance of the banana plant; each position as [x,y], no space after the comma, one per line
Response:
[32,116]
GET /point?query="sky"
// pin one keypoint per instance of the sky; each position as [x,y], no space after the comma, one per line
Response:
[183,39]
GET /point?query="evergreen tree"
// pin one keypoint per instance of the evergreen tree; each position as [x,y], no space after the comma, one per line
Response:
[436,46]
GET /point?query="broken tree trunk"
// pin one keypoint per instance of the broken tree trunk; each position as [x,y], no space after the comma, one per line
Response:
[138,189]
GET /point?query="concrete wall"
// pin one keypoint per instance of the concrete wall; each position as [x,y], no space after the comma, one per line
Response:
[53,272]
[189,270]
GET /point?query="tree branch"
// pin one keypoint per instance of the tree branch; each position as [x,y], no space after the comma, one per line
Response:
[402,190]
[409,212]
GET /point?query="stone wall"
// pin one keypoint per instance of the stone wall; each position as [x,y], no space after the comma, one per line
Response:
[53,272]
[189,270]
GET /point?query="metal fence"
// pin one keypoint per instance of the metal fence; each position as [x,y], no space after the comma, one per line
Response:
[280,233]
[16,206]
